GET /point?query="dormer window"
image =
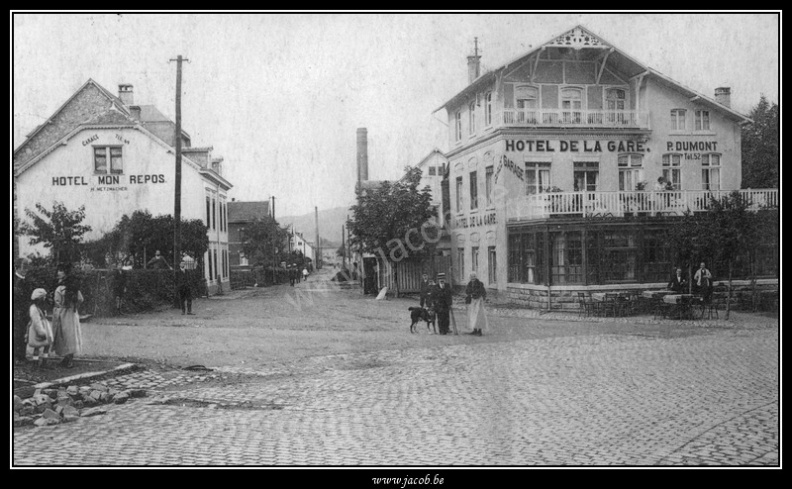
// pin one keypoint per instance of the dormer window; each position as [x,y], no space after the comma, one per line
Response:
[488,109]
[458,126]
[526,101]
[571,104]
[472,117]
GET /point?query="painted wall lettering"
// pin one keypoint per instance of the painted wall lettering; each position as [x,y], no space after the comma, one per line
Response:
[90,140]
[691,146]
[475,221]
[146,179]
[63,181]
[107,179]
[565,146]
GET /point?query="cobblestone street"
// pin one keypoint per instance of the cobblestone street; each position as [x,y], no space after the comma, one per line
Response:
[705,398]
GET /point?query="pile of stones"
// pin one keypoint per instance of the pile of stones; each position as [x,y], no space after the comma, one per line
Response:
[67,403]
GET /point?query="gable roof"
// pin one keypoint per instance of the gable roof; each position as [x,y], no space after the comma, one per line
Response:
[116,103]
[580,37]
[429,156]
[247,211]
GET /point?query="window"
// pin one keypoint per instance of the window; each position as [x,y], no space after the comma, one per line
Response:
[488,172]
[488,109]
[702,120]
[472,117]
[116,159]
[586,175]
[474,255]
[214,220]
[215,262]
[243,261]
[208,213]
[493,265]
[630,172]
[473,191]
[432,171]
[459,194]
[527,103]
[566,256]
[458,126]
[710,171]
[209,260]
[672,164]
[571,104]
[460,265]
[615,99]
[525,250]
[678,119]
[537,178]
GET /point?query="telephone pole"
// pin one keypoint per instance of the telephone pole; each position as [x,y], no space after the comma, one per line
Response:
[318,247]
[274,239]
[343,248]
[178,143]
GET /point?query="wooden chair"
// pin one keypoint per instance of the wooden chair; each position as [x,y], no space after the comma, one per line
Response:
[611,304]
[587,306]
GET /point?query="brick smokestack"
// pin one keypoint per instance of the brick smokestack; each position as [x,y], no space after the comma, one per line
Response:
[723,96]
[474,63]
[126,94]
[362,154]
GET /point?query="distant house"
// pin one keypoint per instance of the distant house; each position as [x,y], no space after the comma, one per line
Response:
[241,215]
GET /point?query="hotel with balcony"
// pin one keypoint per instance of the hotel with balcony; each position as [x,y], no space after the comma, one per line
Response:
[554,167]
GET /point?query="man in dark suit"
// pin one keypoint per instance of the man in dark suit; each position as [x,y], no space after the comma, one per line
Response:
[185,289]
[678,282]
[21,310]
[441,297]
[424,288]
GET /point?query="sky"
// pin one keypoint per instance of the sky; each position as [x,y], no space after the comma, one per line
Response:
[280,96]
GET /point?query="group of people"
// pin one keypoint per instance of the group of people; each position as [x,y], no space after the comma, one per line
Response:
[295,275]
[702,281]
[439,296]
[31,326]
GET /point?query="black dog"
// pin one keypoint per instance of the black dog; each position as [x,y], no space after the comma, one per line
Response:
[421,314]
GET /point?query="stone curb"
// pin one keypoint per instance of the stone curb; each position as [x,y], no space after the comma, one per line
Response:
[28,390]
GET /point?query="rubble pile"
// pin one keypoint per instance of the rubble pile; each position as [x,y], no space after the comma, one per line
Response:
[67,403]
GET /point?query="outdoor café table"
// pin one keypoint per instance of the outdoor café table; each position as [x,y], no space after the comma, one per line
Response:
[684,303]
[655,294]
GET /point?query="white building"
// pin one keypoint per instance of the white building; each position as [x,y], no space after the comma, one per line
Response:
[104,152]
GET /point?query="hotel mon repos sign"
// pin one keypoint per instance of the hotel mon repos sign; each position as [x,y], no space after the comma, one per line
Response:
[107,183]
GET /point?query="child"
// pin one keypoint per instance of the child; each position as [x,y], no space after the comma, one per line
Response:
[40,331]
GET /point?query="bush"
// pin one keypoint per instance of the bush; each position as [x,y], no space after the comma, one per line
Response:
[145,289]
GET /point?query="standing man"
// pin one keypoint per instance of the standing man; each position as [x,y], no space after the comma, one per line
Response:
[158,262]
[703,281]
[424,288]
[442,296]
[21,310]
[185,291]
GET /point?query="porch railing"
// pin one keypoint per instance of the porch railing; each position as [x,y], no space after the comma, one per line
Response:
[575,118]
[617,204]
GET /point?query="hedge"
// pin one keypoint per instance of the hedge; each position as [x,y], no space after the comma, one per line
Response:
[145,289]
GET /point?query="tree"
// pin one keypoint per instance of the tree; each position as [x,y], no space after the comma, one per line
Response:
[140,235]
[761,158]
[59,229]
[392,217]
[265,241]
[692,241]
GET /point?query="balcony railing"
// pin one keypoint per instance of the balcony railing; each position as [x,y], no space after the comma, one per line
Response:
[617,204]
[575,118]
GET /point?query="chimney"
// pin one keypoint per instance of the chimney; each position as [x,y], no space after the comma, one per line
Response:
[723,96]
[362,154]
[474,64]
[126,94]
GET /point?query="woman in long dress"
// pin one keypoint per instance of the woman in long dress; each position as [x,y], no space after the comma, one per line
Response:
[475,295]
[66,319]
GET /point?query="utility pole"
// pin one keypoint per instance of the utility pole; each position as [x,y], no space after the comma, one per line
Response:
[274,239]
[343,247]
[177,196]
[318,247]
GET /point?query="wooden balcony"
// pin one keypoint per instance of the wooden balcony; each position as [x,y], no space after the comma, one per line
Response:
[574,118]
[619,204]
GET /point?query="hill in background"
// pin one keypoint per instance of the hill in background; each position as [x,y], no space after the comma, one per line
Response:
[330,222]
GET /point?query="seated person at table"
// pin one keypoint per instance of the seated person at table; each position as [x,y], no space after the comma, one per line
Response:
[678,282]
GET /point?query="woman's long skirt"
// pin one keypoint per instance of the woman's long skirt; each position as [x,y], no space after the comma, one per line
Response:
[477,316]
[68,337]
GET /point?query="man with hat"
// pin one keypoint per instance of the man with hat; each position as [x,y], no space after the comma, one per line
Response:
[442,296]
